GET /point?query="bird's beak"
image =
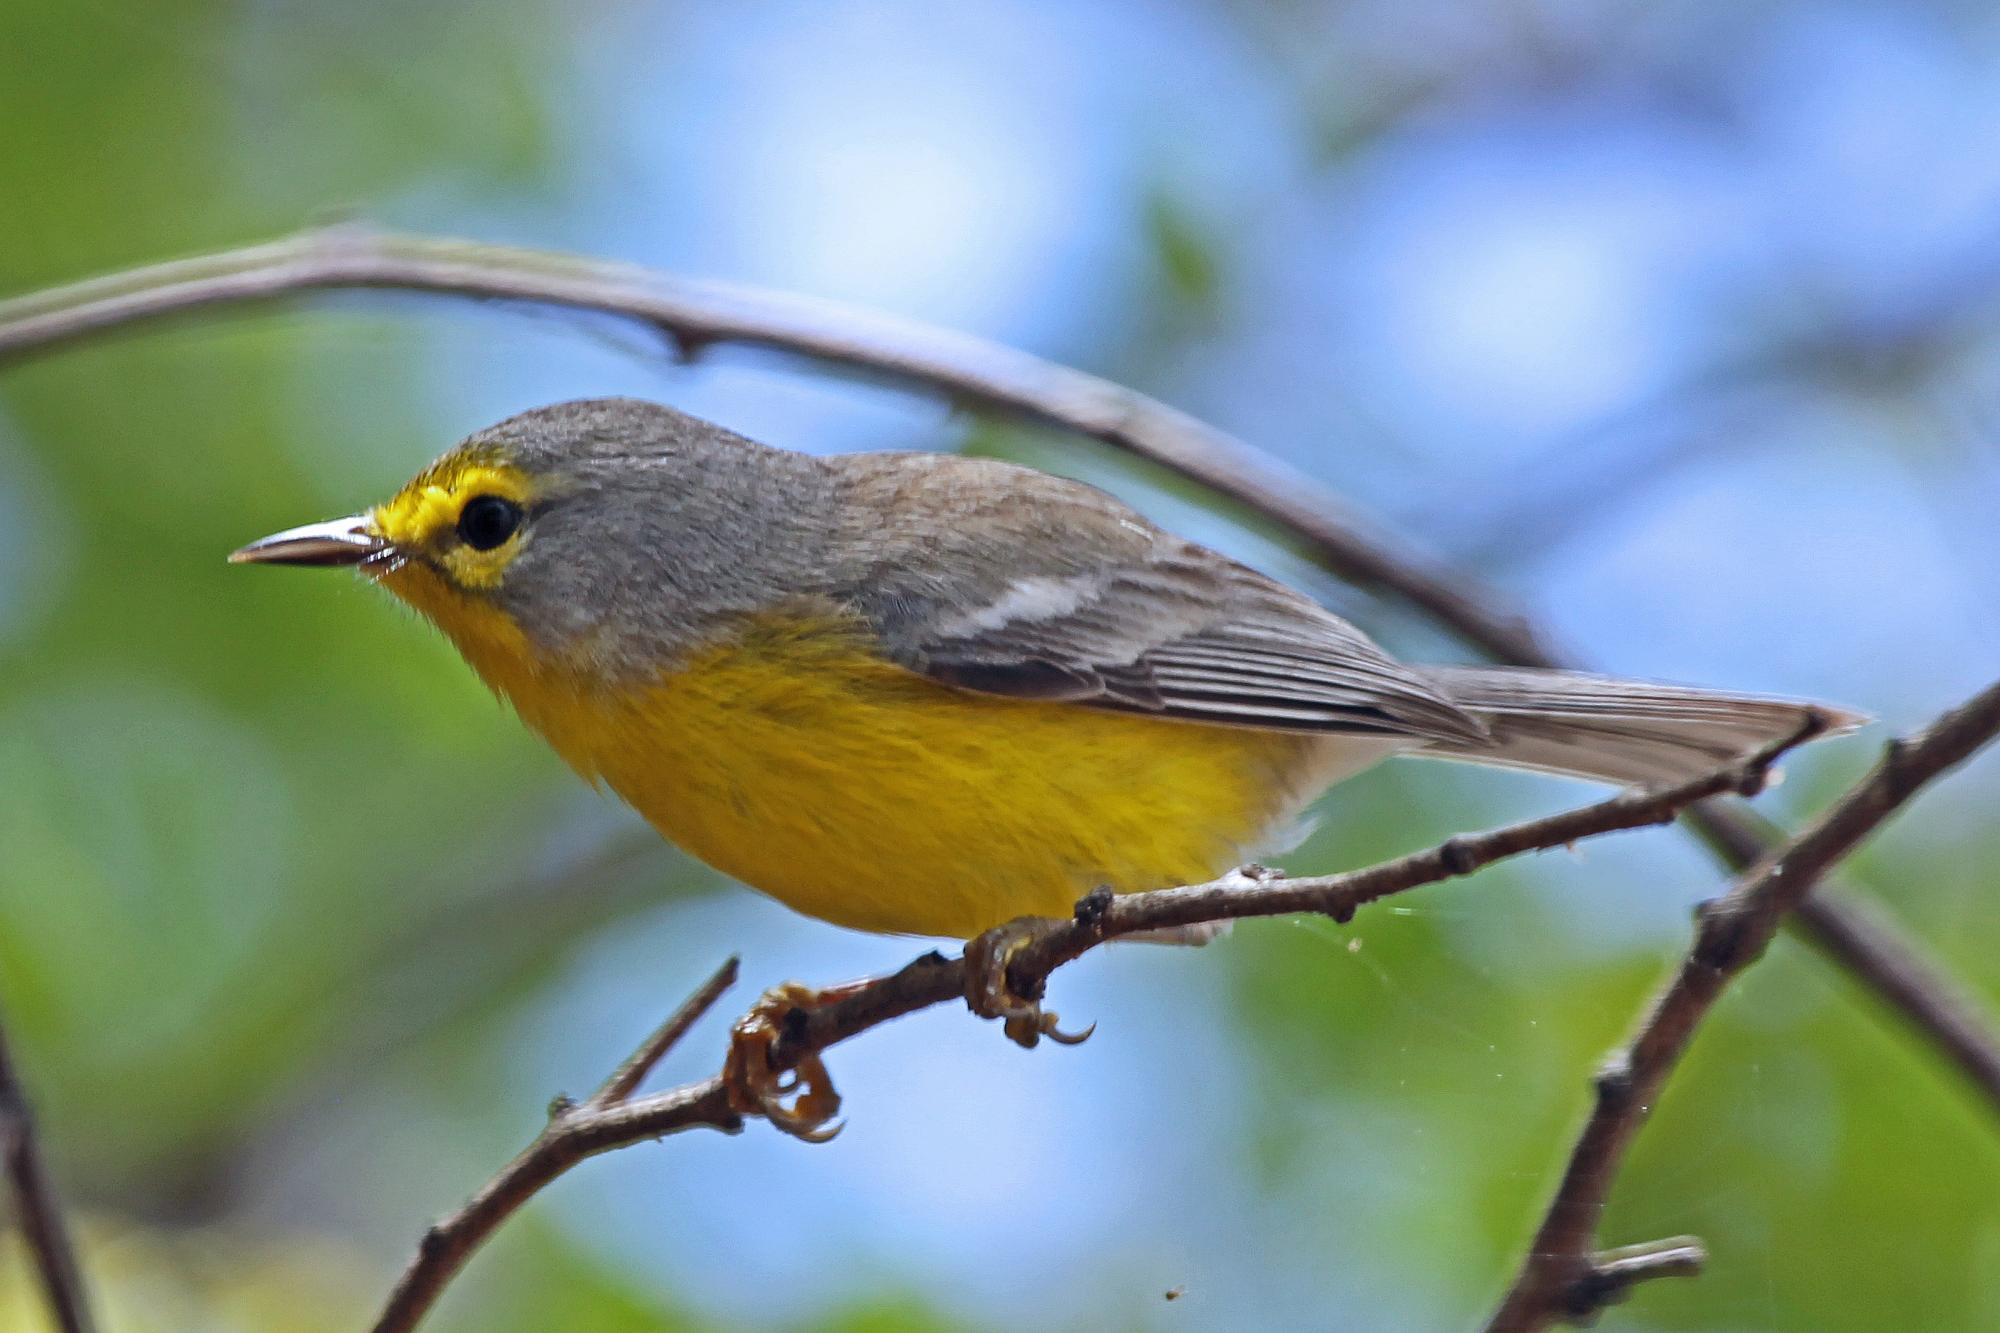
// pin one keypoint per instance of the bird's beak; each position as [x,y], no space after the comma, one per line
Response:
[343,541]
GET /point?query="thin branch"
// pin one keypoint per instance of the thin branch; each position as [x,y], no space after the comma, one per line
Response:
[50,1251]
[574,1132]
[1733,932]
[1337,896]
[613,1118]
[626,1079]
[695,315]
[1611,1274]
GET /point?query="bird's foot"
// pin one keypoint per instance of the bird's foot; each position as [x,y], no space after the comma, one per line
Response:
[990,994]
[755,1088]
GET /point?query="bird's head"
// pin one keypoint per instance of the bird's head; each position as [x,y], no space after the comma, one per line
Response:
[604,536]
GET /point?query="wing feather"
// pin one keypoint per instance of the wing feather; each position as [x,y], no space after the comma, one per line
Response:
[1007,581]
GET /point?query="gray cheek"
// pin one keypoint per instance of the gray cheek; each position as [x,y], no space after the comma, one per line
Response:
[597,608]
[546,595]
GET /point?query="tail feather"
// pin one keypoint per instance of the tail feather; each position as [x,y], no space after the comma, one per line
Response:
[1617,731]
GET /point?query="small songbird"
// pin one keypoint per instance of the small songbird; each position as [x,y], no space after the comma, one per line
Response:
[925,694]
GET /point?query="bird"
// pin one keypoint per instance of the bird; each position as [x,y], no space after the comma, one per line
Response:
[926,694]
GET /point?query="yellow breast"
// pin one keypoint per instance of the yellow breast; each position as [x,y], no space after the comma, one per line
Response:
[795,760]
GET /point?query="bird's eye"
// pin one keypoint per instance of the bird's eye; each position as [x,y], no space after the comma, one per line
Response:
[487,520]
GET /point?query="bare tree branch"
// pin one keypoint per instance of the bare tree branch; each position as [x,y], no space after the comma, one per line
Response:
[1560,1279]
[50,1252]
[625,1080]
[614,1118]
[569,1137]
[983,374]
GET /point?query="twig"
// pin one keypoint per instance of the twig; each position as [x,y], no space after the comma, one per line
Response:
[576,1130]
[50,1251]
[1337,896]
[696,315]
[1559,1277]
[628,1076]
[612,1118]
[1611,1274]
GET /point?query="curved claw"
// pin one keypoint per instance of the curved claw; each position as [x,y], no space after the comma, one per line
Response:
[989,994]
[754,1088]
[811,1115]
[1026,1029]
[1061,1038]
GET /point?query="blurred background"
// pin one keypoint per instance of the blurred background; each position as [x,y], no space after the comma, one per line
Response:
[1679,322]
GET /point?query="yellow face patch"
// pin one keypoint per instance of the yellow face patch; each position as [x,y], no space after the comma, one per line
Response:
[422,520]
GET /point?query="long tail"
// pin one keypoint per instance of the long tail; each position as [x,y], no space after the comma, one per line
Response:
[1618,731]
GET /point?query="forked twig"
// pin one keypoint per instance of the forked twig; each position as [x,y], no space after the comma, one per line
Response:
[1560,1278]
[576,1130]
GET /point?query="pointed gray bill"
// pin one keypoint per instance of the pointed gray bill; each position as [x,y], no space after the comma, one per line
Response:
[342,541]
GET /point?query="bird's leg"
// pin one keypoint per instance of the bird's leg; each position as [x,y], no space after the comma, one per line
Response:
[755,1088]
[990,995]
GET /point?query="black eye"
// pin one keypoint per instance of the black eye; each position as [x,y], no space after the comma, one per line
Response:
[488,520]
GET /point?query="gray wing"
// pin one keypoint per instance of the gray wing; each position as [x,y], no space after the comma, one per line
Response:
[1007,581]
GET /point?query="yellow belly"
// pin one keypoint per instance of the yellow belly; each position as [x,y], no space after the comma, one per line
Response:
[862,793]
